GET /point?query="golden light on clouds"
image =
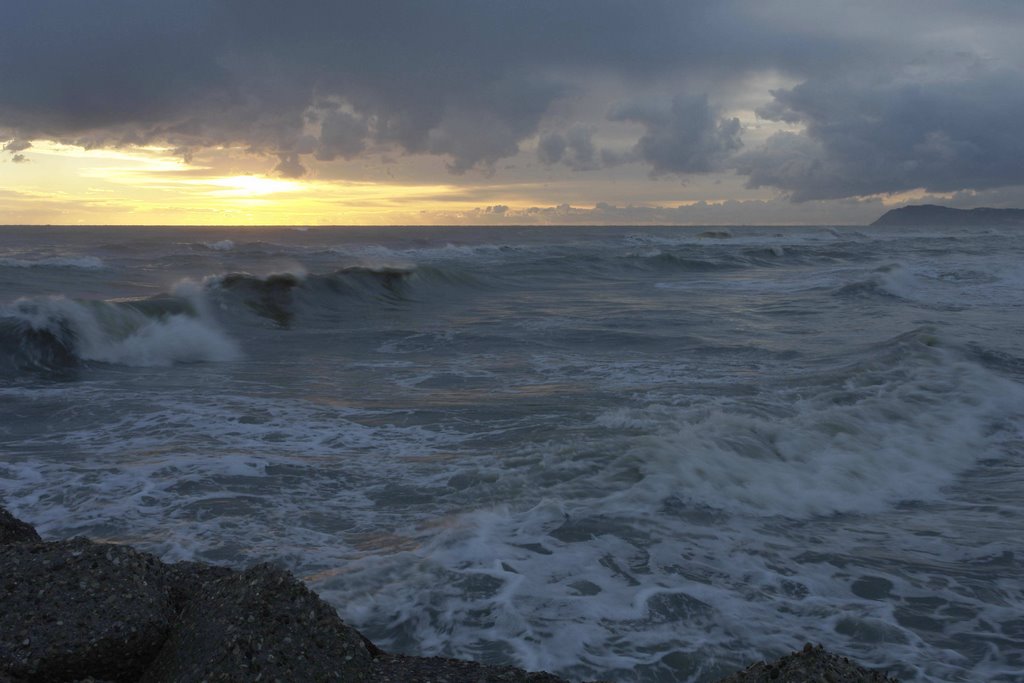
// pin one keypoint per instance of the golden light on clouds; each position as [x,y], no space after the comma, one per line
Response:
[153,185]
[64,184]
[250,186]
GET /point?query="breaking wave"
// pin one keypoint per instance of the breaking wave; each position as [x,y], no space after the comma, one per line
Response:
[898,425]
[57,333]
[183,326]
[280,296]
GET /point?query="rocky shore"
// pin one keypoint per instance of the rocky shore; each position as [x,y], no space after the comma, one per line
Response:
[77,610]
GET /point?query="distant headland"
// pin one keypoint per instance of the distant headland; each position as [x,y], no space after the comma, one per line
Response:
[933,214]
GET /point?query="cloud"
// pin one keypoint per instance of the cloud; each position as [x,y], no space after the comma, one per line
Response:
[15,146]
[893,135]
[731,212]
[471,81]
[481,128]
[464,79]
[289,165]
[341,134]
[551,148]
[681,137]
[575,148]
[686,137]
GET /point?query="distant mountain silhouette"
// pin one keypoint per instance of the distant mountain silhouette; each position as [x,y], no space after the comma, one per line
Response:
[933,214]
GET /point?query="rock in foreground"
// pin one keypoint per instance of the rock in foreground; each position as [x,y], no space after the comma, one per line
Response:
[77,610]
[402,669]
[813,664]
[261,624]
[13,530]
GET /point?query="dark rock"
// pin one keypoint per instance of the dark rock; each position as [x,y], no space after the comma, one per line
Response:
[262,624]
[185,580]
[13,530]
[96,613]
[76,609]
[403,669]
[810,664]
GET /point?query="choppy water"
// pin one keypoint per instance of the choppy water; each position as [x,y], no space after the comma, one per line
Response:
[640,454]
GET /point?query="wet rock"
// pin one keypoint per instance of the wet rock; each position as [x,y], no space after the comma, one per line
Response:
[812,664]
[13,530]
[261,624]
[76,609]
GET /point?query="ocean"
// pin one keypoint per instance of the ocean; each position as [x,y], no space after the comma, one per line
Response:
[639,454]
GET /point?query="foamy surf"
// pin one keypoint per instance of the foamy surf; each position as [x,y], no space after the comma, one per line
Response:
[633,454]
[113,332]
[883,431]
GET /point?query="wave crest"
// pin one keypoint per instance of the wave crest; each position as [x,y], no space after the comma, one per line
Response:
[898,426]
[56,333]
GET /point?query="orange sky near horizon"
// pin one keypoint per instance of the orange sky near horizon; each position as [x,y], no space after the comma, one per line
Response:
[62,184]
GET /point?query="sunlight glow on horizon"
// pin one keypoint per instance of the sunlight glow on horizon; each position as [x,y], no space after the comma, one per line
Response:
[66,184]
[62,184]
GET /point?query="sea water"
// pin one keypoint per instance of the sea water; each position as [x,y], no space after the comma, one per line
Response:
[641,454]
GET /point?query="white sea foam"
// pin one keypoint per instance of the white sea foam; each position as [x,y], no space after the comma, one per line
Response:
[222,245]
[661,512]
[885,435]
[738,238]
[389,256]
[120,334]
[954,281]
[173,339]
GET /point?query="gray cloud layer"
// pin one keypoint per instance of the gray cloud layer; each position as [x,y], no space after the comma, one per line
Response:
[923,94]
[687,137]
[892,136]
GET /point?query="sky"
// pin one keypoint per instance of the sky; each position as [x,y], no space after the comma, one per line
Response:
[331,112]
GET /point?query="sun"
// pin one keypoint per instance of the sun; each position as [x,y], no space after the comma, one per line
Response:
[249,186]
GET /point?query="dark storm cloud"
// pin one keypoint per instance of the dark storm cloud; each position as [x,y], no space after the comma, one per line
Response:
[461,78]
[289,165]
[471,81]
[575,148]
[68,67]
[17,146]
[551,148]
[341,134]
[686,137]
[891,136]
